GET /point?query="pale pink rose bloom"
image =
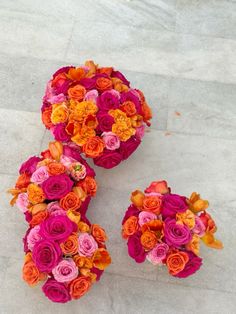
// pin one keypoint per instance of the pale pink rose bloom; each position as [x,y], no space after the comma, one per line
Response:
[22,202]
[145,217]
[65,271]
[33,237]
[158,253]
[40,175]
[54,209]
[77,171]
[140,131]
[87,245]
[112,142]
[67,161]
[91,95]
[57,99]
[48,92]
[199,227]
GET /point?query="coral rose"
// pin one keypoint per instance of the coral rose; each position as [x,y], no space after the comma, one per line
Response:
[79,286]
[176,262]
[77,92]
[103,84]
[93,147]
[98,233]
[55,168]
[70,201]
[152,204]
[70,245]
[158,187]
[148,240]
[130,226]
[129,108]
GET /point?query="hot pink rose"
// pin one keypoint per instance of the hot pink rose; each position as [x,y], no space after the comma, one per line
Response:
[176,234]
[92,95]
[109,100]
[140,132]
[33,237]
[108,159]
[56,99]
[111,141]
[145,217]
[158,254]
[65,271]
[131,211]
[105,122]
[56,291]
[127,148]
[22,202]
[87,245]
[193,265]
[135,248]
[199,227]
[60,133]
[56,187]
[29,166]
[40,175]
[173,204]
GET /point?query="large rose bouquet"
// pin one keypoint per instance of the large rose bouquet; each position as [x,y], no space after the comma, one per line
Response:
[95,108]
[166,229]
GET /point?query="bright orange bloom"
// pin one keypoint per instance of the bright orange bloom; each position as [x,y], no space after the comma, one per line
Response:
[46,117]
[23,181]
[196,204]
[176,262]
[130,226]
[101,259]
[70,246]
[70,201]
[38,218]
[94,147]
[103,84]
[89,185]
[31,274]
[76,74]
[55,168]
[60,113]
[98,233]
[148,240]
[79,286]
[152,204]
[35,194]
[129,108]
[77,92]
[56,149]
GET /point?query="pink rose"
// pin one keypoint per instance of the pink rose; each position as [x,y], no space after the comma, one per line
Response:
[199,227]
[53,206]
[77,171]
[176,234]
[65,271]
[56,291]
[29,166]
[145,217]
[60,133]
[56,99]
[140,131]
[158,253]
[105,122]
[135,248]
[67,161]
[109,100]
[92,95]
[40,175]
[33,237]
[56,187]
[108,159]
[111,141]
[127,148]
[173,204]
[22,202]
[87,245]
[120,76]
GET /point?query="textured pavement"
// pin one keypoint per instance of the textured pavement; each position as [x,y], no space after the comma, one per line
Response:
[182,54]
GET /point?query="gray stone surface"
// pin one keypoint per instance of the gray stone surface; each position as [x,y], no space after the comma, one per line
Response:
[182,55]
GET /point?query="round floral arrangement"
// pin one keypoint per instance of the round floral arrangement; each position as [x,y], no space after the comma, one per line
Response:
[67,253]
[166,229]
[59,180]
[95,108]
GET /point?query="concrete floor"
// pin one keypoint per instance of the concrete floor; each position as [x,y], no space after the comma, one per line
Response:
[181,53]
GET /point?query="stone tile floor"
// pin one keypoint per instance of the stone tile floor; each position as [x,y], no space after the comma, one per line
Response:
[181,53]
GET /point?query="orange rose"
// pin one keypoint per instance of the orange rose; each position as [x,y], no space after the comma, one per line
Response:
[82,261]
[46,117]
[35,194]
[60,113]
[98,233]
[70,246]
[89,185]
[77,92]
[147,112]
[155,226]
[38,218]
[46,154]
[129,108]
[70,201]
[152,204]
[103,83]
[23,181]
[90,121]
[130,226]
[83,135]
[79,286]
[176,262]
[76,74]
[56,149]
[123,130]
[105,70]
[55,168]
[101,259]
[196,204]
[31,274]
[94,147]
[59,80]
[148,240]
[137,198]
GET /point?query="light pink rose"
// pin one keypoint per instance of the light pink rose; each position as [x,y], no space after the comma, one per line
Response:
[48,92]
[77,171]
[54,209]
[40,175]
[87,245]
[199,227]
[33,237]
[145,217]
[22,202]
[158,253]
[67,161]
[111,141]
[65,271]
[91,95]
[57,99]
[140,131]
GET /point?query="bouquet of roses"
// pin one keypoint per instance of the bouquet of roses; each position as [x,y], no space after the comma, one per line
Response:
[95,108]
[60,179]
[167,228]
[70,255]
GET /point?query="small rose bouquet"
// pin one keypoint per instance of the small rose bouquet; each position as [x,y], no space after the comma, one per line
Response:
[95,108]
[167,228]
[59,180]
[66,252]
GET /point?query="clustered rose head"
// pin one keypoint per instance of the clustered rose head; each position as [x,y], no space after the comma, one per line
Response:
[61,246]
[166,229]
[96,109]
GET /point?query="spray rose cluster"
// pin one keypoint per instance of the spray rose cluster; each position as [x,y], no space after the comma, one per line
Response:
[166,229]
[95,108]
